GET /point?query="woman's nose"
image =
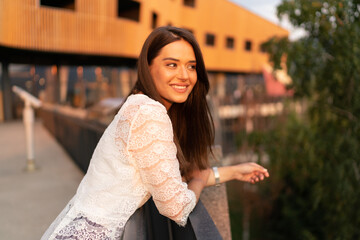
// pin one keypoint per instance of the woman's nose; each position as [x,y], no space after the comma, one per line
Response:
[183,73]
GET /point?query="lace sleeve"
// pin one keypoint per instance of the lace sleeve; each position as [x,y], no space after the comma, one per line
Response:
[154,152]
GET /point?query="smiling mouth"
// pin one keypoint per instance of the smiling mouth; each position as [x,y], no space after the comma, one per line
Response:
[179,86]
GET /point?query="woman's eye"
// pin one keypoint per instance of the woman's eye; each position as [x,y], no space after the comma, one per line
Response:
[171,65]
[192,67]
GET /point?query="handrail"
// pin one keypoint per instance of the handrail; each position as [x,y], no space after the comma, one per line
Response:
[31,102]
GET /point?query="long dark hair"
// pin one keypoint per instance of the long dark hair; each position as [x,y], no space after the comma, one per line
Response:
[192,122]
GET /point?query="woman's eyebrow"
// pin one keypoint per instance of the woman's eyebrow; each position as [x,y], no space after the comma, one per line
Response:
[172,59]
[177,60]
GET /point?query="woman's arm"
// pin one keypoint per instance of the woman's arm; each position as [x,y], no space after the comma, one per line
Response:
[153,153]
[198,182]
[247,172]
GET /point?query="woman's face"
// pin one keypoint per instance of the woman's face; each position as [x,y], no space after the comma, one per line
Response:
[174,72]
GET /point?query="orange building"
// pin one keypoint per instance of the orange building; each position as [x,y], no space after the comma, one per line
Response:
[111,32]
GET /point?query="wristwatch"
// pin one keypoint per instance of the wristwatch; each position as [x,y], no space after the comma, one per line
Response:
[217,176]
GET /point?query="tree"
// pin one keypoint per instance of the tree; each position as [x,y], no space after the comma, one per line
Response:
[316,159]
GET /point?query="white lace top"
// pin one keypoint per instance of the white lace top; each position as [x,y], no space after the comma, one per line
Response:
[134,159]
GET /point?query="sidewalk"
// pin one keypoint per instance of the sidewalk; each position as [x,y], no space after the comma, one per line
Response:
[30,201]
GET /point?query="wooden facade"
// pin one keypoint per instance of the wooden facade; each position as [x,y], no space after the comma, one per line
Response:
[93,27]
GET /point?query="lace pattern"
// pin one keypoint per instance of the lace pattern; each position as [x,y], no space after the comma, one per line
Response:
[82,228]
[134,159]
[154,152]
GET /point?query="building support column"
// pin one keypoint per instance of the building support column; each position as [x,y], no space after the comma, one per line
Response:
[5,93]
[52,85]
[57,84]
[63,77]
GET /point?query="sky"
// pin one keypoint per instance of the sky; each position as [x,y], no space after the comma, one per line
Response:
[267,10]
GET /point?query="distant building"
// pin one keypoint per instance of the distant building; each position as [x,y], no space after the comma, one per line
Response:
[77,52]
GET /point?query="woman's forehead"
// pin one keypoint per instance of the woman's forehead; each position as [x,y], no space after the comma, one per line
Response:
[177,49]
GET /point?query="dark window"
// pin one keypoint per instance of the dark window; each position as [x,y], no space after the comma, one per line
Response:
[67,4]
[210,39]
[248,45]
[154,20]
[189,3]
[129,9]
[230,42]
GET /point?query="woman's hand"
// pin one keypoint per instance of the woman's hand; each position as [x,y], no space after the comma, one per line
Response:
[249,172]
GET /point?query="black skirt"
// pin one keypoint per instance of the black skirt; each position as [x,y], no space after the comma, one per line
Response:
[148,224]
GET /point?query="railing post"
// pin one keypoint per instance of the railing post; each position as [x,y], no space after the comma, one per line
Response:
[5,92]
[28,118]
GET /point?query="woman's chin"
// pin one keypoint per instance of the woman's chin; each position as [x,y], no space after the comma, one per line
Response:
[181,99]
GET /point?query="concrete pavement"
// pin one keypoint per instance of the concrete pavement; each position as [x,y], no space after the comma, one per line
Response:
[29,201]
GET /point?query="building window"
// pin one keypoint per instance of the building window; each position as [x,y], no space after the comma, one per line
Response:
[189,3]
[66,4]
[210,39]
[154,20]
[248,45]
[230,42]
[129,9]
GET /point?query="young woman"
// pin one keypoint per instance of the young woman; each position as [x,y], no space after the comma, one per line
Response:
[156,146]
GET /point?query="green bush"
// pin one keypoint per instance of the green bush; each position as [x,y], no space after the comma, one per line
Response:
[314,188]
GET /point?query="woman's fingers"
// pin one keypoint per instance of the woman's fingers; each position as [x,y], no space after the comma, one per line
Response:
[256,167]
[251,172]
[262,171]
[257,176]
[262,175]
